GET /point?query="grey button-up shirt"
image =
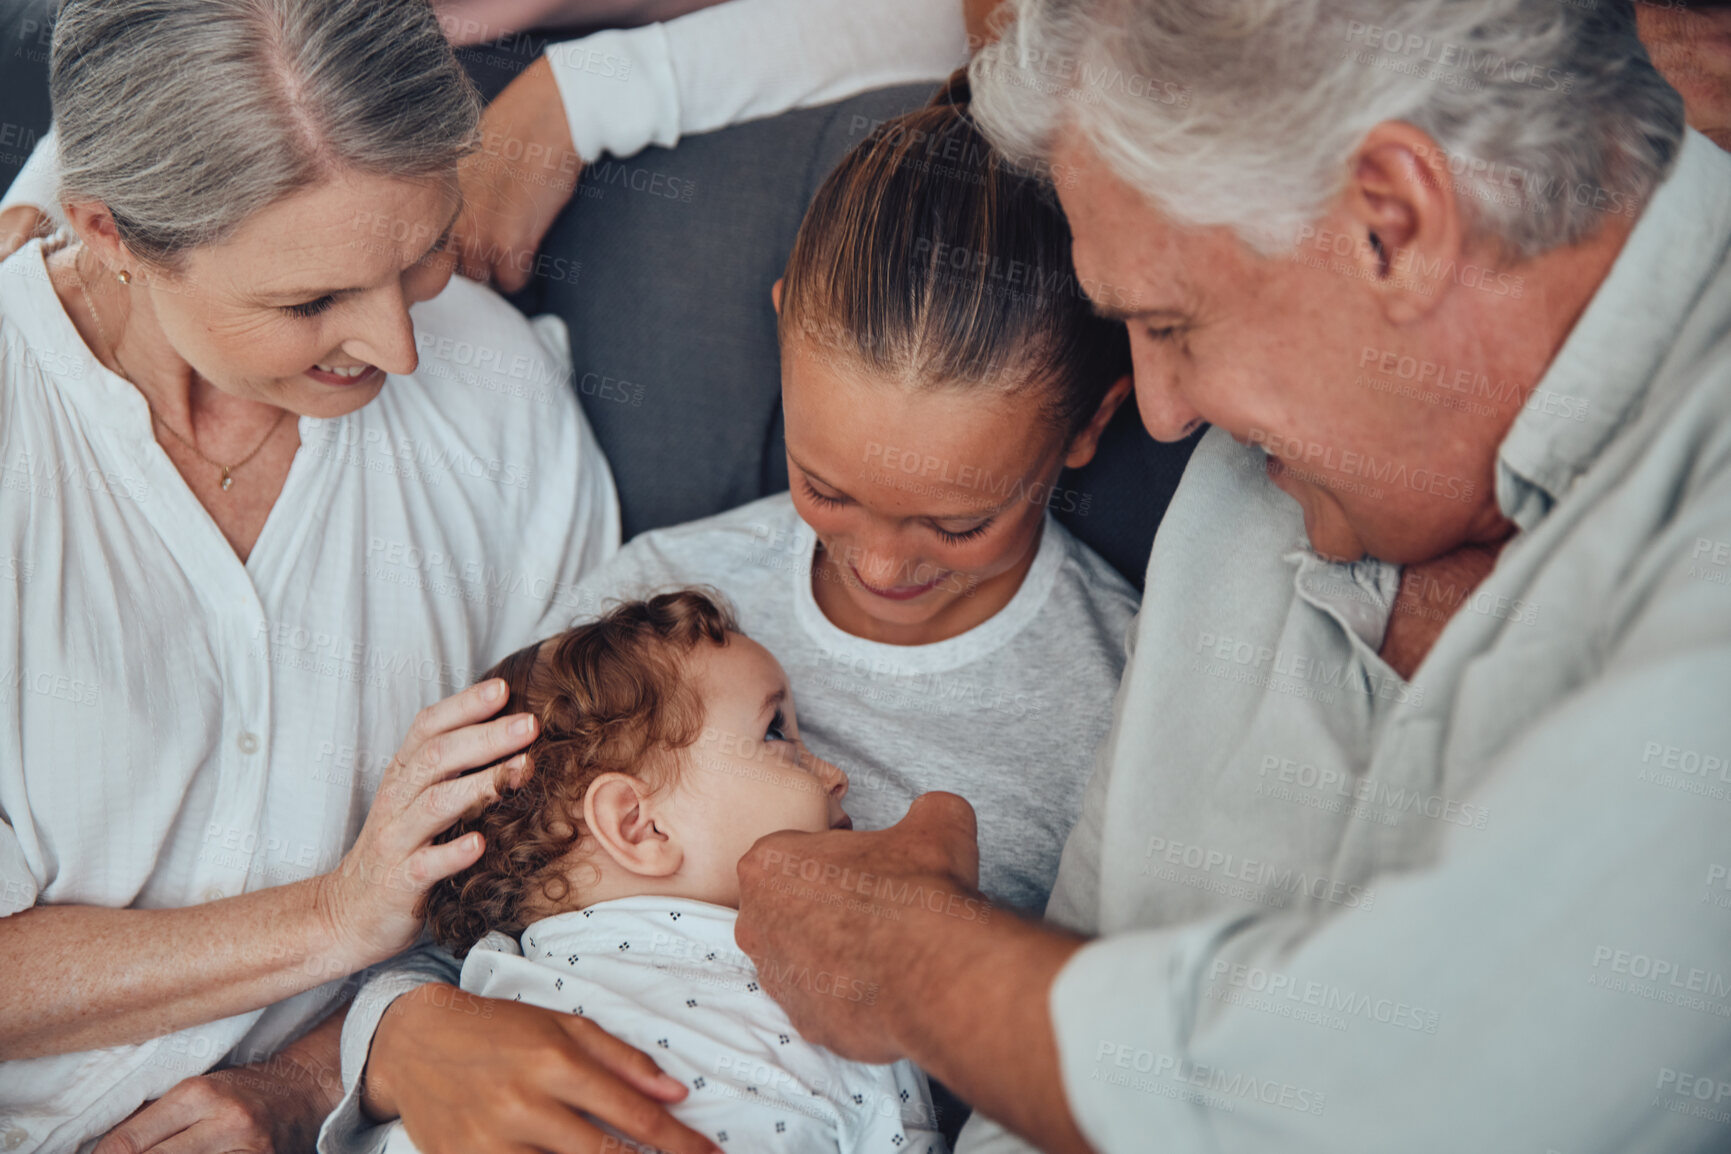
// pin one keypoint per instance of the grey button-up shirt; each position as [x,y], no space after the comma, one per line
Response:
[1487,909]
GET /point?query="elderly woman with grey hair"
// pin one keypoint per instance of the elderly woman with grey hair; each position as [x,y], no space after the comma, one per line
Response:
[1409,834]
[275,484]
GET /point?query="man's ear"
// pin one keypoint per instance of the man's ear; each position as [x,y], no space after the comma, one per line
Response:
[1086,442]
[619,813]
[1408,228]
[775,294]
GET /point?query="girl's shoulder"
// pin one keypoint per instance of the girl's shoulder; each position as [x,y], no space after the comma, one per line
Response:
[1087,578]
[746,554]
[744,543]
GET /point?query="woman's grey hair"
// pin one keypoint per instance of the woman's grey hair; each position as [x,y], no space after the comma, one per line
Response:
[1246,112]
[185,117]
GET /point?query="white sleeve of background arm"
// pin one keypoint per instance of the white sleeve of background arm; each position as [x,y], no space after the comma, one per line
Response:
[348,1130]
[1488,1001]
[745,60]
[748,59]
[618,91]
[38,182]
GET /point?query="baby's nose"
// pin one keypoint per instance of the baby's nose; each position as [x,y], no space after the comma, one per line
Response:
[830,775]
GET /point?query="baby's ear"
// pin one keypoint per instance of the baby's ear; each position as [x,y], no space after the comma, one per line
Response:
[618,812]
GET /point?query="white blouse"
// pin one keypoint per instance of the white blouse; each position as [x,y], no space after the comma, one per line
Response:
[177,726]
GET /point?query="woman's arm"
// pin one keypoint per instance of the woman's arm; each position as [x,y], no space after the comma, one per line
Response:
[82,977]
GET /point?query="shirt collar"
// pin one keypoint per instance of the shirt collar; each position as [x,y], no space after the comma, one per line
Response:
[28,300]
[659,928]
[1602,372]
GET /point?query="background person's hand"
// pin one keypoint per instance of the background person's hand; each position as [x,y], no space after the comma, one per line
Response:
[18,225]
[471,1075]
[1690,45]
[372,900]
[515,185]
[825,916]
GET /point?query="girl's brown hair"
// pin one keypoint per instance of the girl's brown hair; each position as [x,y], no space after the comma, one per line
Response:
[608,696]
[930,258]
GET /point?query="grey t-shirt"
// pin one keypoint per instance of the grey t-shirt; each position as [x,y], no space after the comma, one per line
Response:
[1008,714]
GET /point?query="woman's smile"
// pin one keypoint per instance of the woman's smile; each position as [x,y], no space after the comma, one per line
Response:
[345,376]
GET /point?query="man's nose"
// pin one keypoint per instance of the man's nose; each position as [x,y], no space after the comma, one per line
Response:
[1165,413]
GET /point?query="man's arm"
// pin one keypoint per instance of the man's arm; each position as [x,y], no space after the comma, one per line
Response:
[1556,980]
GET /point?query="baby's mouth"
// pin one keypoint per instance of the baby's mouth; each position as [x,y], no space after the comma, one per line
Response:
[843,822]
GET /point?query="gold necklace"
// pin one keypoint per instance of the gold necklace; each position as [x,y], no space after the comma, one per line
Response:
[114,352]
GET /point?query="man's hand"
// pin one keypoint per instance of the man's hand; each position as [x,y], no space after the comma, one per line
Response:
[18,225]
[1691,48]
[880,946]
[271,1107]
[472,1075]
[827,918]
[516,185]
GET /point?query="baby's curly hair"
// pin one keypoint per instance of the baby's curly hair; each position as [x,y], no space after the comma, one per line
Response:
[608,695]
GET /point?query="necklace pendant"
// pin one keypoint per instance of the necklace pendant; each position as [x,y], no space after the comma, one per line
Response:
[226,480]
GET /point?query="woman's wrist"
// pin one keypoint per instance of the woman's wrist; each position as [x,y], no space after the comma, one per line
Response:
[337,932]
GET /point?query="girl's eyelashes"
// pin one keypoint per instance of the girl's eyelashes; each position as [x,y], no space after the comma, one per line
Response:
[966,534]
[777,730]
[311,308]
[953,538]
[820,498]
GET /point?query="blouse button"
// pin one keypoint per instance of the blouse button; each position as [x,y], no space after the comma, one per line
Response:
[248,742]
[213,893]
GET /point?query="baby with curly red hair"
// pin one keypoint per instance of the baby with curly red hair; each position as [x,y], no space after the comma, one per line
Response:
[668,744]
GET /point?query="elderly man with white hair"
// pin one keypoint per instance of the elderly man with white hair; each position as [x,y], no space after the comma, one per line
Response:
[1411,832]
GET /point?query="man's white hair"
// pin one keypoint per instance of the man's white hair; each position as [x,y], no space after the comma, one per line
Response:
[1246,112]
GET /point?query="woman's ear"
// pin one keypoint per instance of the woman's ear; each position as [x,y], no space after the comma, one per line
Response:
[619,813]
[1086,442]
[94,224]
[775,294]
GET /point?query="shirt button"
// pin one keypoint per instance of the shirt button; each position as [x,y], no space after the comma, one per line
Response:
[212,894]
[248,742]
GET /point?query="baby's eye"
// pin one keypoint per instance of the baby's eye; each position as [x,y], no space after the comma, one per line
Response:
[777,730]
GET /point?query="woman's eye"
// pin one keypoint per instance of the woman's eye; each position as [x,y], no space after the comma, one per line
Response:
[1163,333]
[820,498]
[310,308]
[964,535]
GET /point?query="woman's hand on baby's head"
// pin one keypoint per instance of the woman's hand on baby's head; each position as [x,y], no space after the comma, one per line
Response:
[372,901]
